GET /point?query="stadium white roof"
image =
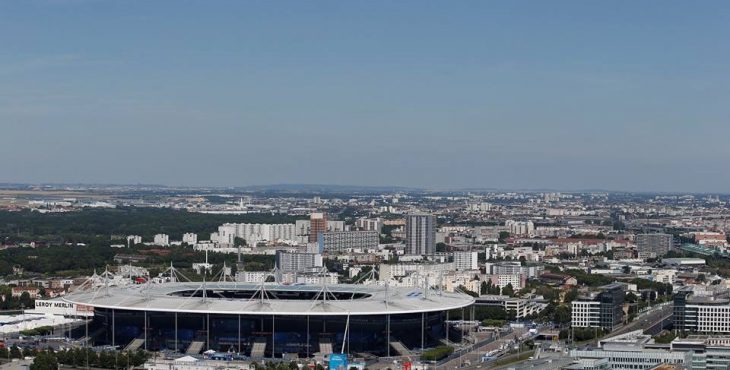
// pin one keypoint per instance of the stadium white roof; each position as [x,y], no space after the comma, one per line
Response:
[220,298]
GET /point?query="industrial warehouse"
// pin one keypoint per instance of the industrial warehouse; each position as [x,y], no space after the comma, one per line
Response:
[269,319]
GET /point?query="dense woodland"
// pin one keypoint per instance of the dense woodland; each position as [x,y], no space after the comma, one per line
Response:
[83,260]
[58,235]
[102,225]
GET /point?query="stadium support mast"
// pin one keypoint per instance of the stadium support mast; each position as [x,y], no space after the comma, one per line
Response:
[324,293]
[347,330]
[106,279]
[239,261]
[173,275]
[387,298]
[261,292]
[225,274]
[425,287]
[205,290]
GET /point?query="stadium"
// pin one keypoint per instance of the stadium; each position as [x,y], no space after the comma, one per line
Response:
[269,320]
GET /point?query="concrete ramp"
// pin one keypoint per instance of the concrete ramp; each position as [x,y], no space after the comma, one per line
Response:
[195,347]
[325,346]
[400,348]
[134,345]
[258,350]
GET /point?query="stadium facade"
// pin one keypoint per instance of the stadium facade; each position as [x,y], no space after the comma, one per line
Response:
[268,320]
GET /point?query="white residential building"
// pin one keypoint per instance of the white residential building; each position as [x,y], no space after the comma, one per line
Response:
[303,227]
[502,280]
[190,238]
[514,267]
[466,260]
[369,224]
[253,233]
[520,227]
[342,241]
[134,239]
[391,271]
[456,280]
[318,279]
[252,276]
[162,240]
[287,261]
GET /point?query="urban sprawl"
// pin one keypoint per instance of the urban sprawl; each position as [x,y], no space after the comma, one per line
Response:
[202,279]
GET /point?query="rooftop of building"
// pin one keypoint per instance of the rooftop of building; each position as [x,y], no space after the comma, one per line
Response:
[633,338]
[246,299]
[683,261]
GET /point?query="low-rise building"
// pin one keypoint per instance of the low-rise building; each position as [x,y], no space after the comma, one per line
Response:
[558,279]
[517,281]
[632,351]
[520,306]
[33,292]
[635,350]
[513,268]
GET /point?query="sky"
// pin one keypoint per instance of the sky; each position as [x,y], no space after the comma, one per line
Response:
[569,95]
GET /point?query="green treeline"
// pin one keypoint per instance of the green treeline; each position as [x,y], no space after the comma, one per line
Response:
[98,228]
[87,225]
[80,357]
[82,260]
[437,353]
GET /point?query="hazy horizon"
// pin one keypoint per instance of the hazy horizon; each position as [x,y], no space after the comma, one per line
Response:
[338,187]
[564,95]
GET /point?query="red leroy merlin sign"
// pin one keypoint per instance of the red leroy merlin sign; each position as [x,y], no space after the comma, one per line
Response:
[54,307]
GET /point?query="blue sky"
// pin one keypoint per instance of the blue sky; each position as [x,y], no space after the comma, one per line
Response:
[621,95]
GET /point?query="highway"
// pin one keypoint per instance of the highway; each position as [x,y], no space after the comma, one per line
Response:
[545,362]
[471,359]
[652,321]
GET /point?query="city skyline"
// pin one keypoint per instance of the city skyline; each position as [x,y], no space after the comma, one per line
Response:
[566,96]
[383,185]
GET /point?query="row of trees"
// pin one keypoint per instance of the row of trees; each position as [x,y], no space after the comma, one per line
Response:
[281,366]
[56,259]
[582,334]
[82,357]
[584,278]
[482,313]
[558,313]
[8,302]
[665,337]
[488,288]
[438,353]
[62,259]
